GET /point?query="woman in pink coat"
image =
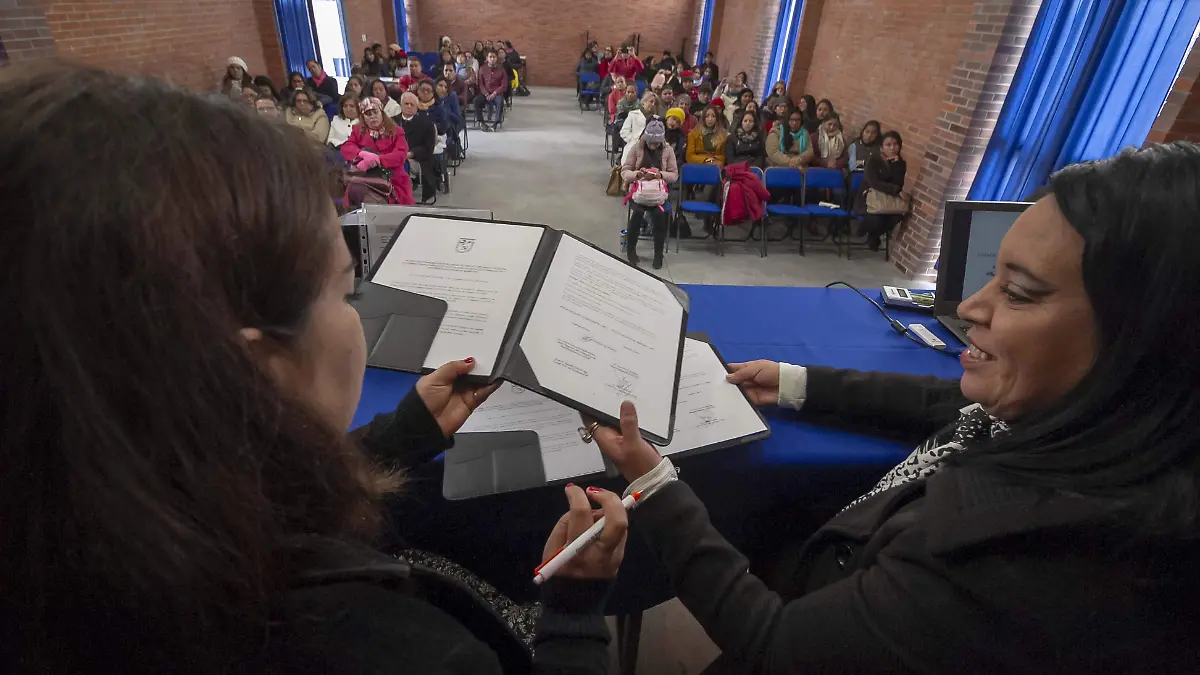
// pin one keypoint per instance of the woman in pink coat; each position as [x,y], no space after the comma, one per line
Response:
[379,142]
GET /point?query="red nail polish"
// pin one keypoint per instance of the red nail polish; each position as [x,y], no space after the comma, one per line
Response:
[593,490]
[570,485]
[470,359]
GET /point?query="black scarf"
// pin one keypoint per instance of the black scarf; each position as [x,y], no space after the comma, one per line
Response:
[673,136]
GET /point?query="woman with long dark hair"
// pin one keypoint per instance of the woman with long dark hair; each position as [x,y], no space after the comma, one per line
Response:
[745,142]
[179,492]
[885,173]
[1048,521]
[808,105]
[236,78]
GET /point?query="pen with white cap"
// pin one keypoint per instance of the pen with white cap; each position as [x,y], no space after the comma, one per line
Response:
[565,554]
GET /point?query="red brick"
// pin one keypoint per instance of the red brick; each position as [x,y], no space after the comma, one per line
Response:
[552,34]
[185,41]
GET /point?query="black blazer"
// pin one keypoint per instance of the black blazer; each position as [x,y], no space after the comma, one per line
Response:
[421,135]
[961,573]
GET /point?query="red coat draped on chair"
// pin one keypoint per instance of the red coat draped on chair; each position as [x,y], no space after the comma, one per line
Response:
[747,196]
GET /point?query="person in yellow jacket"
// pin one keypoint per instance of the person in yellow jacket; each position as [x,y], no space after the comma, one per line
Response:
[706,145]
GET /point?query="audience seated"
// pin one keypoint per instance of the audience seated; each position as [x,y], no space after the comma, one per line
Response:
[708,68]
[343,123]
[666,100]
[377,143]
[445,58]
[305,113]
[614,97]
[428,103]
[295,83]
[397,61]
[706,145]
[829,146]
[325,86]
[687,80]
[265,86]
[379,91]
[824,109]
[733,104]
[489,104]
[626,65]
[647,157]
[636,121]
[356,84]
[779,113]
[667,62]
[421,134]
[236,79]
[587,65]
[864,146]
[677,134]
[459,86]
[414,77]
[451,109]
[702,99]
[266,105]
[884,172]
[808,106]
[371,66]
[730,89]
[745,142]
[788,144]
[605,62]
[779,94]
[628,102]
[710,75]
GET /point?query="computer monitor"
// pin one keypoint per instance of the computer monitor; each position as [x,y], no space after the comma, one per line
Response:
[971,236]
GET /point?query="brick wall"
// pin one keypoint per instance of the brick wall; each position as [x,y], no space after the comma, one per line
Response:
[943,92]
[743,34]
[553,34]
[24,32]
[186,41]
[369,18]
[1179,118]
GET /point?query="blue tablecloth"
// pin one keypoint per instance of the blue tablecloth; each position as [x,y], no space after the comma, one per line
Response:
[802,468]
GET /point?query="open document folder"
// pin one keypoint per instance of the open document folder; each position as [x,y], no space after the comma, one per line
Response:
[713,414]
[547,311]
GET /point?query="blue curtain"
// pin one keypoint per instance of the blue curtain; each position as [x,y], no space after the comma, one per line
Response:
[294,21]
[783,50]
[401,24]
[1091,81]
[706,18]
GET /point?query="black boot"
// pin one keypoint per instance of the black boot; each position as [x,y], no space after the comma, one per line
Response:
[660,240]
[631,254]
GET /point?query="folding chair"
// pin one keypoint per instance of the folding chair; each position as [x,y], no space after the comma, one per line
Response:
[792,180]
[587,96]
[692,175]
[817,178]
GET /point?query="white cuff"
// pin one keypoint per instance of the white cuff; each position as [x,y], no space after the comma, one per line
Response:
[793,385]
[653,481]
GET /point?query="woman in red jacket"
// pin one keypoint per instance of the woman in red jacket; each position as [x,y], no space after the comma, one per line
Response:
[379,143]
[605,62]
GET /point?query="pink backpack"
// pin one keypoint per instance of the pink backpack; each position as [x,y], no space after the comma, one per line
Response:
[651,191]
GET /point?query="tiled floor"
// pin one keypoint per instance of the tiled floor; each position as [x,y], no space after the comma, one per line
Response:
[548,166]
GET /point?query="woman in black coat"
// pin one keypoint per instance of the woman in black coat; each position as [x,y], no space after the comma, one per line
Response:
[746,142]
[1048,521]
[180,493]
[884,172]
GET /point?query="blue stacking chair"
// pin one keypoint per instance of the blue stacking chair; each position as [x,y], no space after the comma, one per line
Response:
[429,61]
[785,178]
[641,87]
[697,174]
[588,94]
[817,178]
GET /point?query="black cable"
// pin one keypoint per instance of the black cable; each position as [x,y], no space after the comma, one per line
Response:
[896,325]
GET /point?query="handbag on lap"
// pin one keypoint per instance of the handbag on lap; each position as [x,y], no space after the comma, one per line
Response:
[881,203]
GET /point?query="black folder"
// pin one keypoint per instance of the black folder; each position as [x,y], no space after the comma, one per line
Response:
[399,326]
[512,365]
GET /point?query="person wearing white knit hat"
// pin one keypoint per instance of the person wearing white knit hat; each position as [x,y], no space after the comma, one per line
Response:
[237,77]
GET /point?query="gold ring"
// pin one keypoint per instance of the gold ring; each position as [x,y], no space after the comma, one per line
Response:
[588,433]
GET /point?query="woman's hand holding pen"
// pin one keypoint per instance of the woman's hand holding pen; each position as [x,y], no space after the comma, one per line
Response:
[759,379]
[602,558]
[450,401]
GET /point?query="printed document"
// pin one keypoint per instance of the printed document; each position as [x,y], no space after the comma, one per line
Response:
[603,332]
[513,408]
[710,409]
[478,268]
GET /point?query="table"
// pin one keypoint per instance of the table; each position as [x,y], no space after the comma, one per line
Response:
[784,486]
